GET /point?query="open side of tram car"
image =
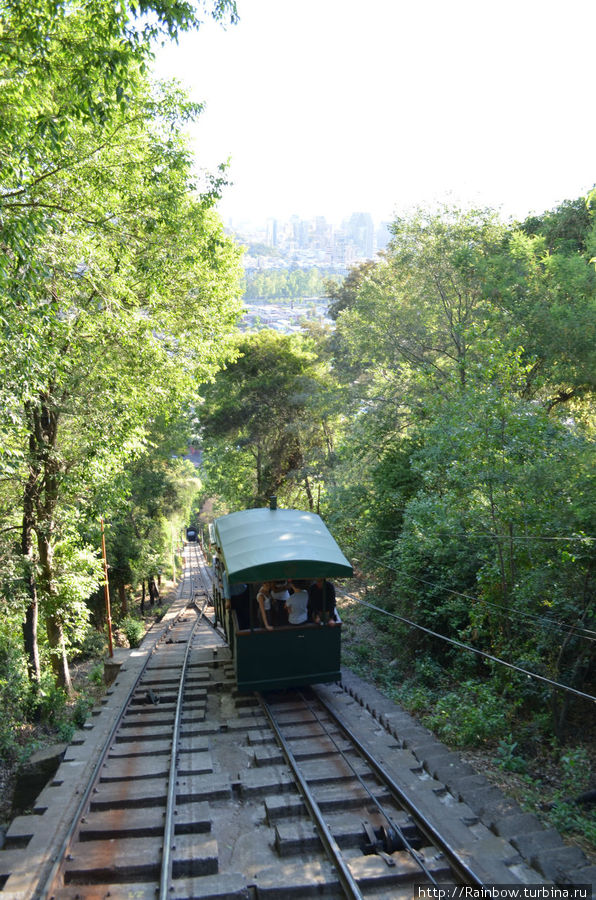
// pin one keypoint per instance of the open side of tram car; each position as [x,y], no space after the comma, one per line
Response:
[259,545]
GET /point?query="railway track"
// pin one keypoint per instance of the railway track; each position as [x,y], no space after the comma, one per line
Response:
[200,792]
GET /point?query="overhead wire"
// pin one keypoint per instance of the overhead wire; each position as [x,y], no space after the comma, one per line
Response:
[587,634]
[522,537]
[510,537]
[469,648]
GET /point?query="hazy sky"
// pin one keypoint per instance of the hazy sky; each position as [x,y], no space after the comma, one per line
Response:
[327,107]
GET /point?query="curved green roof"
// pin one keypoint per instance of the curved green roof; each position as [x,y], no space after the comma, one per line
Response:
[265,544]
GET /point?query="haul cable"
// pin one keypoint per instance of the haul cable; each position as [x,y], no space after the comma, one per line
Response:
[466,873]
[379,772]
[346,878]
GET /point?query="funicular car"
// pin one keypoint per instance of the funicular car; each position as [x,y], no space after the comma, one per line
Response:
[260,545]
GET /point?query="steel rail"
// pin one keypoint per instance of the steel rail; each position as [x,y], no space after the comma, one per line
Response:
[346,878]
[166,859]
[462,868]
[44,887]
[399,831]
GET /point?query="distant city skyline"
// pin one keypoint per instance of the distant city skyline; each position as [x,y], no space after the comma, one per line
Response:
[312,241]
[328,106]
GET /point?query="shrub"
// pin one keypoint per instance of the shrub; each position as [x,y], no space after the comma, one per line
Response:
[96,674]
[468,716]
[508,759]
[134,630]
[81,710]
[93,645]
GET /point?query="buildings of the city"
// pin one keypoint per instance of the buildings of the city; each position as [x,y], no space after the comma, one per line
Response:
[304,243]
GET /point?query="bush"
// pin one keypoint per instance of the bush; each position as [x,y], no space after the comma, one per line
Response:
[81,710]
[428,671]
[15,691]
[94,644]
[96,674]
[48,705]
[134,630]
[466,717]
[508,759]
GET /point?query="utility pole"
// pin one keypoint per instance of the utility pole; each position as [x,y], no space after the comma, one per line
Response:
[106,588]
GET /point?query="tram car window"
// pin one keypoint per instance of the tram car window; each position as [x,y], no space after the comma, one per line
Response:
[258,547]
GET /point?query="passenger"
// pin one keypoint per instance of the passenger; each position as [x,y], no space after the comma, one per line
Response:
[264,602]
[321,602]
[297,605]
[280,594]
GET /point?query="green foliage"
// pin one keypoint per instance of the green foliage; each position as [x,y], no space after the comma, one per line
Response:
[151,502]
[96,674]
[133,629]
[508,757]
[564,814]
[469,716]
[286,284]
[260,435]
[577,772]
[567,818]
[93,645]
[464,482]
[48,704]
[110,248]
[15,692]
[81,710]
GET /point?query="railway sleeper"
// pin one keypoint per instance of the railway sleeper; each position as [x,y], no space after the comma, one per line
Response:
[208,887]
[140,859]
[188,860]
[149,765]
[332,799]
[130,749]
[120,824]
[277,808]
[371,871]
[231,886]
[102,862]
[313,878]
[264,782]
[155,718]
[307,731]
[273,755]
[297,837]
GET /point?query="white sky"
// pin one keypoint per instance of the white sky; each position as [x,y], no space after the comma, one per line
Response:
[328,107]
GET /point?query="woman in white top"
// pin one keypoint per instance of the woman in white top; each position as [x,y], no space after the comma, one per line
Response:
[264,602]
[280,594]
[297,605]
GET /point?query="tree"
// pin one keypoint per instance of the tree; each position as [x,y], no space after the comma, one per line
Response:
[152,501]
[552,303]
[258,432]
[463,475]
[109,255]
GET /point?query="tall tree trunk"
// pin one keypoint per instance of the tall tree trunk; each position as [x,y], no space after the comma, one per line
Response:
[309,496]
[123,600]
[30,635]
[153,591]
[45,420]
[59,658]
[32,613]
[54,626]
